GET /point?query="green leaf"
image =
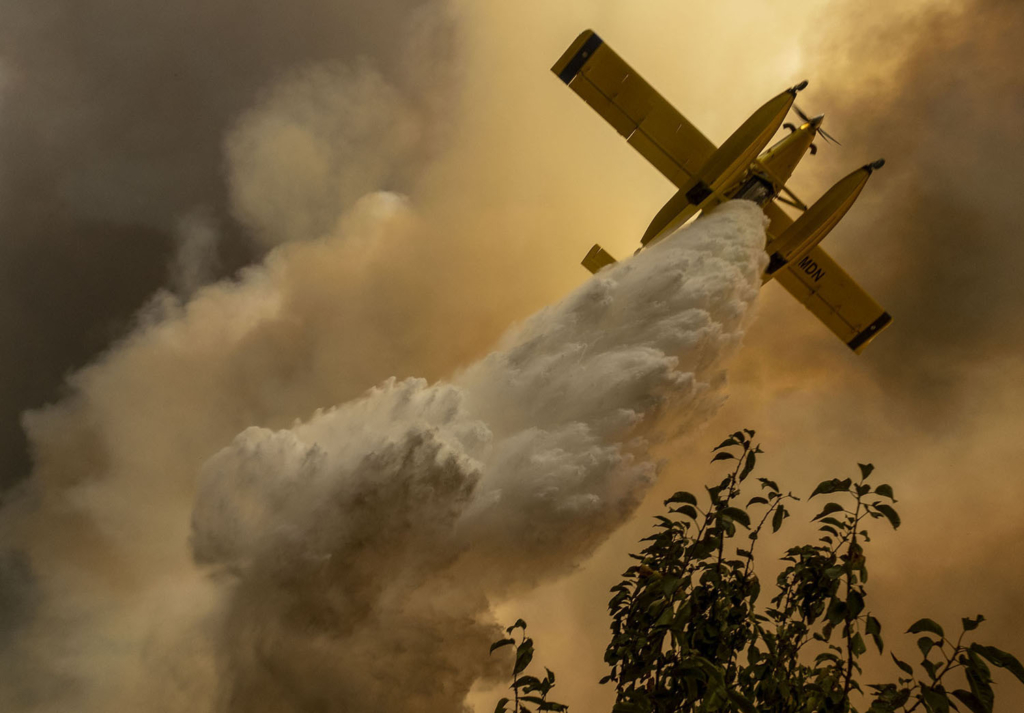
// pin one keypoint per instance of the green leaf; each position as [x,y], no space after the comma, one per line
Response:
[724,455]
[500,708]
[828,510]
[904,667]
[713,493]
[665,522]
[831,486]
[527,683]
[520,624]
[890,514]
[972,624]
[885,491]
[855,602]
[931,668]
[980,680]
[747,466]
[682,497]
[738,515]
[730,441]
[770,484]
[552,706]
[757,500]
[741,702]
[836,612]
[926,645]
[873,628]
[666,618]
[524,655]
[971,701]
[777,518]
[825,486]
[501,642]
[857,645]
[935,700]
[689,510]
[1000,658]
[926,625]
[865,470]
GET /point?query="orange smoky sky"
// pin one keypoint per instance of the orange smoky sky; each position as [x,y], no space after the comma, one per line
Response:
[936,89]
[179,185]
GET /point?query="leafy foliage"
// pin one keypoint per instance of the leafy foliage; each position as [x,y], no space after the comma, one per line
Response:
[529,693]
[691,634]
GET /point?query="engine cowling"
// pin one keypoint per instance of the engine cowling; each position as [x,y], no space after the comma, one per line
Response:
[818,221]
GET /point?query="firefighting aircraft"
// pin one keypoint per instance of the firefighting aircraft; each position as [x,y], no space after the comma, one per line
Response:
[707,176]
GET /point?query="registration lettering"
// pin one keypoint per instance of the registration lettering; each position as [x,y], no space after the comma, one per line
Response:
[811,268]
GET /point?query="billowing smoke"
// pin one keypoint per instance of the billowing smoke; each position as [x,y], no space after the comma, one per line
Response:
[368,542]
[356,554]
[319,140]
[112,119]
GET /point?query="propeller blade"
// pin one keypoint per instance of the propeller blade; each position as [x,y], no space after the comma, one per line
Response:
[821,132]
[828,137]
[801,114]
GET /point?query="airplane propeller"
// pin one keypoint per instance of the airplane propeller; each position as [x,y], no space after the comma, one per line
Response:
[824,134]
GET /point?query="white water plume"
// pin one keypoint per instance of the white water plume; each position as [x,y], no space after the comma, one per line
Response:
[348,563]
[365,546]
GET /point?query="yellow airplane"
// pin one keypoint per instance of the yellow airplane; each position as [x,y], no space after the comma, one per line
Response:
[707,176]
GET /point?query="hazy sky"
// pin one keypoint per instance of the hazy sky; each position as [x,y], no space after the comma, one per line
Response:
[935,401]
[149,146]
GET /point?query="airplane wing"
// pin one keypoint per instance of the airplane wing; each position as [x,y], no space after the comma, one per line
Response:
[650,124]
[817,282]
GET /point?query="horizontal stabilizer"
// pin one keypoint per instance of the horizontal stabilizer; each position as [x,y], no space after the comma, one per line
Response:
[597,258]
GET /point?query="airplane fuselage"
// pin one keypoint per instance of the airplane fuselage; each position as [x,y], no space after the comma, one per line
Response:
[762,181]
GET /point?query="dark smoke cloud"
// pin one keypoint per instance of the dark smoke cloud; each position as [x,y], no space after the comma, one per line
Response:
[941,96]
[111,129]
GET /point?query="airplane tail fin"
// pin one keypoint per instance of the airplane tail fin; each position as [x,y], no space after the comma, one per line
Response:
[597,258]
